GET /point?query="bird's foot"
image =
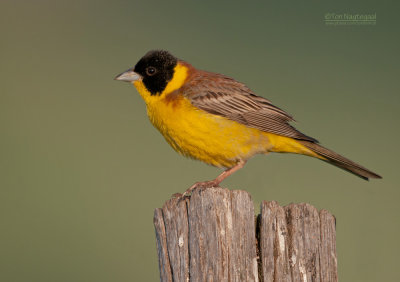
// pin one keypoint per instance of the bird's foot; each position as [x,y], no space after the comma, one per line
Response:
[202,185]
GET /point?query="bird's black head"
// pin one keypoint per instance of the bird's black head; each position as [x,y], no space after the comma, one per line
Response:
[157,69]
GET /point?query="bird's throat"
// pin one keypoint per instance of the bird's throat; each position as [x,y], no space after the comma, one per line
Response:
[181,72]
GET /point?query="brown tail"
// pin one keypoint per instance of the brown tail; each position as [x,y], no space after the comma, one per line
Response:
[340,161]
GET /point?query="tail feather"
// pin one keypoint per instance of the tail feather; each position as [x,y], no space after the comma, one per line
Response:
[340,161]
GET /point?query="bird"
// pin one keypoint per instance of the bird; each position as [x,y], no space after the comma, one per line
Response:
[215,119]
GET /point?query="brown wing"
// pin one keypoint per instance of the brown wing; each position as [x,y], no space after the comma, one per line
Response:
[221,95]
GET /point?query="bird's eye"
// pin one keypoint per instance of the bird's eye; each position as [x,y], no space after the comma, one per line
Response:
[151,71]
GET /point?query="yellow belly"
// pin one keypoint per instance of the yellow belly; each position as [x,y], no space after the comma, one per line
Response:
[212,139]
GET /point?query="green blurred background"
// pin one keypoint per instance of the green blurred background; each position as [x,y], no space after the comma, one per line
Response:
[82,169]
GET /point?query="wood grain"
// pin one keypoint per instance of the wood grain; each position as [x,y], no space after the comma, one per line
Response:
[213,236]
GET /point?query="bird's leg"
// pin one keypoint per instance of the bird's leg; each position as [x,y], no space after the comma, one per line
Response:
[218,179]
[228,172]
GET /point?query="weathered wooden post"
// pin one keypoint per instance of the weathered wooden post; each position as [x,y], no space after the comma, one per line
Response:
[214,236]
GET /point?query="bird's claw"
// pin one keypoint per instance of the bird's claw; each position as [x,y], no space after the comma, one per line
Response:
[200,185]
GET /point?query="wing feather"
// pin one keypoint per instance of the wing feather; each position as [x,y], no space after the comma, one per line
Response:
[221,95]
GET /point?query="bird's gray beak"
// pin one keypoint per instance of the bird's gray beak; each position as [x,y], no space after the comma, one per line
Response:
[129,76]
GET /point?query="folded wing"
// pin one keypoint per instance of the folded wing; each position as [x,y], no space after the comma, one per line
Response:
[223,96]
